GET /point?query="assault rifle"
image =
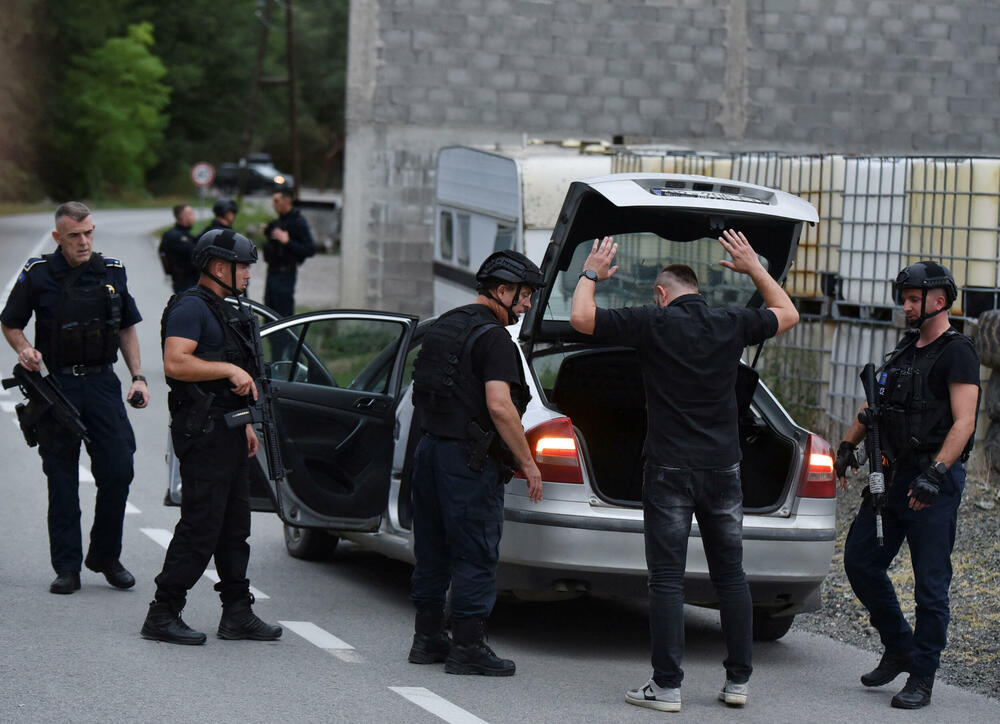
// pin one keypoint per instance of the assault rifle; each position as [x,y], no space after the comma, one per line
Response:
[261,411]
[869,417]
[45,399]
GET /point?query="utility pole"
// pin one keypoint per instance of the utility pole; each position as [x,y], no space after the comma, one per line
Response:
[292,126]
[265,28]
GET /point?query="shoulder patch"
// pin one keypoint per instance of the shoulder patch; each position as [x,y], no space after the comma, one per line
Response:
[33,261]
[114,263]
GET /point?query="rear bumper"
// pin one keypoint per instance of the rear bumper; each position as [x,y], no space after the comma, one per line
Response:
[605,555]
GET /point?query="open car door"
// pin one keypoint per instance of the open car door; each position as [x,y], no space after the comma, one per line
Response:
[336,379]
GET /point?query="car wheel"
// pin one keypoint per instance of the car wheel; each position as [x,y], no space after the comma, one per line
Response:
[770,628]
[309,544]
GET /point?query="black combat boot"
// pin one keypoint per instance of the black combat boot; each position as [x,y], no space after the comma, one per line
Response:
[916,694]
[430,642]
[239,622]
[469,653]
[163,623]
[890,666]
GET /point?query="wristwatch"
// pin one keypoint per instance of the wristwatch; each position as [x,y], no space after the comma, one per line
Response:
[138,378]
[940,467]
[590,274]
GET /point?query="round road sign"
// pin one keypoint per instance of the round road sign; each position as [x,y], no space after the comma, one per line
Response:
[202,173]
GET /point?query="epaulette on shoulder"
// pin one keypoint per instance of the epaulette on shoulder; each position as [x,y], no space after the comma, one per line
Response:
[33,261]
[113,263]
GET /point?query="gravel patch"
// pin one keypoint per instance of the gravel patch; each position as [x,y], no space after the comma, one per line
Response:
[972,658]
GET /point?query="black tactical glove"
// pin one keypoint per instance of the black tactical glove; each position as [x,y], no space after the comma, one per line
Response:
[926,486]
[846,458]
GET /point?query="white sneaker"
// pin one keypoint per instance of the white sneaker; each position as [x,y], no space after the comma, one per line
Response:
[652,696]
[734,694]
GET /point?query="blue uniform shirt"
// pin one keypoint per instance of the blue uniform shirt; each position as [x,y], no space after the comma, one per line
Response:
[39,285]
[191,318]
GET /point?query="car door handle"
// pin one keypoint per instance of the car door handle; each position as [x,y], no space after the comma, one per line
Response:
[369,403]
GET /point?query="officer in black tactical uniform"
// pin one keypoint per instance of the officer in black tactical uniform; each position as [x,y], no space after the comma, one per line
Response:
[176,248]
[84,315]
[225,210]
[209,363]
[928,390]
[289,243]
[470,393]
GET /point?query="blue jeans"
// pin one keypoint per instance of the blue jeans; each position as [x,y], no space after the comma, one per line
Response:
[715,497]
[457,524]
[930,534]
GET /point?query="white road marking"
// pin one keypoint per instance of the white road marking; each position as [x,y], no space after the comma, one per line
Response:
[131,509]
[323,639]
[436,705]
[163,538]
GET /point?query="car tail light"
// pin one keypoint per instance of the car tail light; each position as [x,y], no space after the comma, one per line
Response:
[553,446]
[817,479]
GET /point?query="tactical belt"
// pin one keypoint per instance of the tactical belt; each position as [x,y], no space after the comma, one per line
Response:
[83,370]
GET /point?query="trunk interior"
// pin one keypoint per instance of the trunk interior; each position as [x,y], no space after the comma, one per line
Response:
[601,391]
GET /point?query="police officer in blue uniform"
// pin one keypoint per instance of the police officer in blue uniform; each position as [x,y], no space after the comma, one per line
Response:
[289,243]
[929,392]
[176,248]
[224,210]
[84,315]
[210,364]
[470,393]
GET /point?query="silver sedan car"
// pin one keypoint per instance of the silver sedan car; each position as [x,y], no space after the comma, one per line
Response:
[341,381]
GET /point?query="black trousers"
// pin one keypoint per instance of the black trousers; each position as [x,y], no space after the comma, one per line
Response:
[279,292]
[98,397]
[215,515]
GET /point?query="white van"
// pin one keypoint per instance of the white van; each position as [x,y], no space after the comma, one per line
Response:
[486,201]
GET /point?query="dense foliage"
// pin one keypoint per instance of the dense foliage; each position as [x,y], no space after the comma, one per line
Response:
[110,96]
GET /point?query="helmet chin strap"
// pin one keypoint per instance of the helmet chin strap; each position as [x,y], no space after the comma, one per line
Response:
[924,316]
[511,315]
[231,288]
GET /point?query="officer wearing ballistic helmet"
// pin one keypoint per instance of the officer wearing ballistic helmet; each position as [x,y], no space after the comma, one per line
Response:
[209,363]
[84,315]
[928,391]
[469,391]
[224,210]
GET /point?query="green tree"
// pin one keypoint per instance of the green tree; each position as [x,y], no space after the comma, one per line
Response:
[115,102]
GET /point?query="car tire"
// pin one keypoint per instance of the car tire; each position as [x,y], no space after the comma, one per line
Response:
[309,544]
[769,628]
[988,339]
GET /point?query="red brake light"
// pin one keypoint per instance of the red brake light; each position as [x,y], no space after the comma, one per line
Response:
[817,479]
[553,446]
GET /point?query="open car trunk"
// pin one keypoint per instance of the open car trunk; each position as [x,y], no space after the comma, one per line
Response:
[601,391]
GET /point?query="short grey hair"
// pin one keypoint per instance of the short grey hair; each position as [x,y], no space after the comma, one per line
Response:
[74,210]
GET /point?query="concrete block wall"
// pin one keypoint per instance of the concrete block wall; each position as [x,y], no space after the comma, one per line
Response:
[856,76]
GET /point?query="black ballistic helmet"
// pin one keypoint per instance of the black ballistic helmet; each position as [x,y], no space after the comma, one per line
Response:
[223,244]
[511,267]
[925,275]
[223,205]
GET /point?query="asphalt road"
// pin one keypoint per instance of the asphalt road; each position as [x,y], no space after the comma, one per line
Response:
[348,622]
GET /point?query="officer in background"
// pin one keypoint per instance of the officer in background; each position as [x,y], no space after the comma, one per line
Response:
[470,393]
[289,243]
[209,363]
[176,248]
[929,387]
[84,315]
[224,210]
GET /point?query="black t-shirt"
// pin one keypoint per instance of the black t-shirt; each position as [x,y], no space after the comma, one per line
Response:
[191,318]
[690,354]
[494,357]
[958,363]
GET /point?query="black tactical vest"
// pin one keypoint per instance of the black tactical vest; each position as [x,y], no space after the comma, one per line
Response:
[446,390]
[238,349]
[914,421]
[87,321]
